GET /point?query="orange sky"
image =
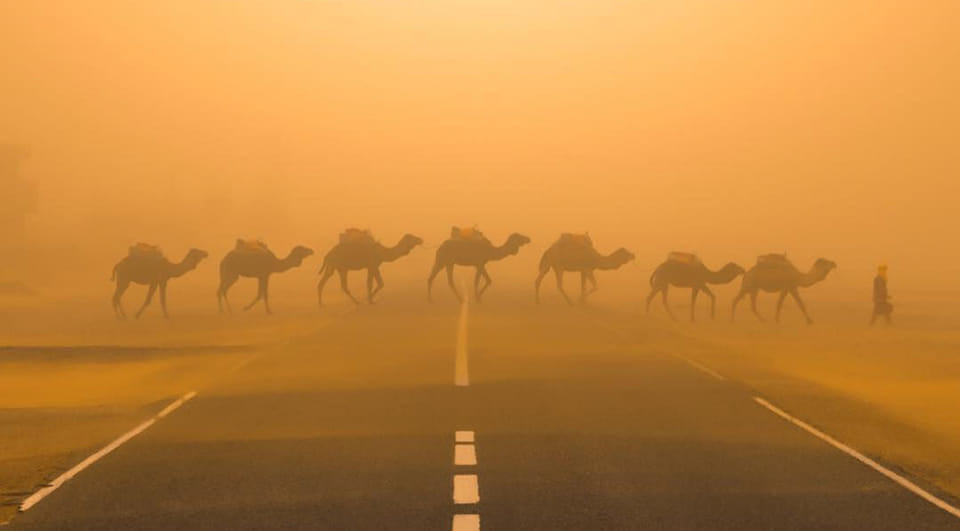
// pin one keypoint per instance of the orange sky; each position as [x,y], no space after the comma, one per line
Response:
[729,128]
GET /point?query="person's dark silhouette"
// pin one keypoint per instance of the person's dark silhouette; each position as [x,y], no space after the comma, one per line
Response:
[881,299]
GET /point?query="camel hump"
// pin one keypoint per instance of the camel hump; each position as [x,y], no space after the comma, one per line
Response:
[582,240]
[773,259]
[251,246]
[145,249]
[683,257]
[466,233]
[354,235]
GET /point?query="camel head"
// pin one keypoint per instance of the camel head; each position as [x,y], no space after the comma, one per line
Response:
[516,241]
[824,266]
[733,270]
[298,254]
[195,256]
[410,241]
[622,256]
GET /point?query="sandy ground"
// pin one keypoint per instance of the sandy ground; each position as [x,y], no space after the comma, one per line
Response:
[72,379]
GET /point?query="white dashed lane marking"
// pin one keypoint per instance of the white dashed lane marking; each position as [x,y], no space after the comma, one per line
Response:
[466,483]
[466,522]
[465,455]
[466,489]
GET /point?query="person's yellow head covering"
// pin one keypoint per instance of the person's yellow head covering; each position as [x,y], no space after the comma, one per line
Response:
[882,270]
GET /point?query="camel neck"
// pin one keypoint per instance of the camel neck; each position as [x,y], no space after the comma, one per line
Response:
[505,250]
[181,268]
[389,254]
[609,261]
[811,277]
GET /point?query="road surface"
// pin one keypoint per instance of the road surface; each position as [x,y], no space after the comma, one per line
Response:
[566,421]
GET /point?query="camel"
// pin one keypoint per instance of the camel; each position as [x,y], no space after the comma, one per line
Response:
[253,259]
[358,250]
[773,273]
[469,247]
[575,253]
[685,270]
[146,265]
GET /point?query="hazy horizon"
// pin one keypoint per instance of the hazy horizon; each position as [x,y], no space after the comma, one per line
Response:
[822,129]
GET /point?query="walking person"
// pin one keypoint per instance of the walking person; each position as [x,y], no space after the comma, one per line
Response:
[881,299]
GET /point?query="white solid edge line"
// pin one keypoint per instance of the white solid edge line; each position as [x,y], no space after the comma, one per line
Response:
[693,363]
[466,522]
[36,497]
[896,478]
[701,367]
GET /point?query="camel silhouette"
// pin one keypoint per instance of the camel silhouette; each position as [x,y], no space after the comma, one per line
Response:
[252,259]
[685,270]
[146,265]
[773,273]
[358,250]
[575,253]
[469,247]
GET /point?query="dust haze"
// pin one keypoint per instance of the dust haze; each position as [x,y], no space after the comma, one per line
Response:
[818,130]
[725,129]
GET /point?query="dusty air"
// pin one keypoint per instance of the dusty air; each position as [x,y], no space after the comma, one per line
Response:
[479,265]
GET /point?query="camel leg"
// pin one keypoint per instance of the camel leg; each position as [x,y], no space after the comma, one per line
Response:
[753,305]
[663,295]
[477,278]
[433,273]
[783,297]
[327,273]
[653,293]
[258,297]
[343,285]
[163,299]
[693,303]
[713,301]
[559,274]
[536,284]
[453,285]
[803,307]
[736,301]
[146,302]
[226,282]
[265,283]
[486,284]
[122,285]
[586,277]
[378,278]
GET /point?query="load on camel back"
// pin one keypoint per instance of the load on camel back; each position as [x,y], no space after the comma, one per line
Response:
[145,250]
[251,246]
[773,259]
[467,233]
[572,238]
[683,257]
[355,235]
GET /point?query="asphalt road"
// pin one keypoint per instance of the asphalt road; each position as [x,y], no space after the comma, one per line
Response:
[576,427]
